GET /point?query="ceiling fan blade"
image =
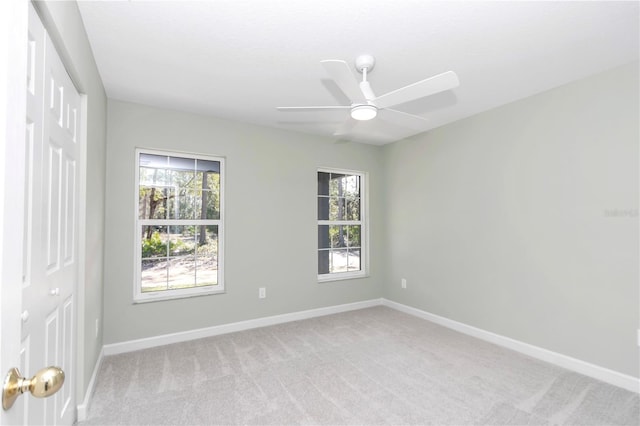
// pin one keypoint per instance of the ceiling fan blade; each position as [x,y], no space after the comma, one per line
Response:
[312,108]
[402,119]
[430,86]
[341,73]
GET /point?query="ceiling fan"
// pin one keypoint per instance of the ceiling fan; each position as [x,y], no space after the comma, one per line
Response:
[365,105]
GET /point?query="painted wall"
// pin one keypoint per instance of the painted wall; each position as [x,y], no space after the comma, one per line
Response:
[270,209]
[523,220]
[65,26]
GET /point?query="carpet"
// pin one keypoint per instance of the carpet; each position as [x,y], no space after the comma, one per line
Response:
[374,366]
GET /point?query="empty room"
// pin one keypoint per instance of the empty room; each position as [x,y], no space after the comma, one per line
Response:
[336,212]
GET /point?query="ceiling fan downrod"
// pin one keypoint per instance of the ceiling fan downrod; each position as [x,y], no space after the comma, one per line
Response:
[364,65]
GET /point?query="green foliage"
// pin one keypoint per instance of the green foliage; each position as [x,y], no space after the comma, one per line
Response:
[154,246]
[179,247]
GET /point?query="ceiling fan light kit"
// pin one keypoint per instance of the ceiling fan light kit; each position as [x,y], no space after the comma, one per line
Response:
[365,104]
[364,112]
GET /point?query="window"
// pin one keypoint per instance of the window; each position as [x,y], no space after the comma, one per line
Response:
[179,225]
[341,225]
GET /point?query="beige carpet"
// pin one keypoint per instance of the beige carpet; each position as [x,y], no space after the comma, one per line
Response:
[374,366]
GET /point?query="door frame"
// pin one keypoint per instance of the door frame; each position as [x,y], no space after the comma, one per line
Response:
[13,66]
[13,110]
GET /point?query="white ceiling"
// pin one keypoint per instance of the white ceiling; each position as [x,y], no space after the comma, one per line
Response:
[240,59]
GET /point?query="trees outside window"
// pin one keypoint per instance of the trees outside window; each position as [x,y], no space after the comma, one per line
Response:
[179,223]
[341,224]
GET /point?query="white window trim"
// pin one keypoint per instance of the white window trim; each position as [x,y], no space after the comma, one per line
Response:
[364,221]
[138,295]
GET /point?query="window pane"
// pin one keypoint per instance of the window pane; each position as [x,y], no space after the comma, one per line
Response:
[336,185]
[154,241]
[180,204]
[323,208]
[182,179]
[352,238]
[208,166]
[339,260]
[153,180]
[207,239]
[207,205]
[182,241]
[207,186]
[337,234]
[180,163]
[153,161]
[153,176]
[144,201]
[353,209]
[323,183]
[337,208]
[181,272]
[210,205]
[323,261]
[213,181]
[207,255]
[206,271]
[154,275]
[196,208]
[351,186]
[353,260]
[153,202]
[324,240]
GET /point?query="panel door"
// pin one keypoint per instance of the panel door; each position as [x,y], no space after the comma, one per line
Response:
[50,269]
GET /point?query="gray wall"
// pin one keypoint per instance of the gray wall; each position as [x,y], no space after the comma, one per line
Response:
[66,28]
[523,220]
[270,209]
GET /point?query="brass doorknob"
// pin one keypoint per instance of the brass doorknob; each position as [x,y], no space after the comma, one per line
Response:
[45,383]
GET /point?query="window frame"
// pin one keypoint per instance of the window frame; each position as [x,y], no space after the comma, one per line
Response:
[138,295]
[363,223]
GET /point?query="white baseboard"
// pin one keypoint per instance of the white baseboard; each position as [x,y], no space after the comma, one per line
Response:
[166,339]
[83,409]
[604,374]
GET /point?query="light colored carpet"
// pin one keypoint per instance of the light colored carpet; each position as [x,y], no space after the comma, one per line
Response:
[375,366]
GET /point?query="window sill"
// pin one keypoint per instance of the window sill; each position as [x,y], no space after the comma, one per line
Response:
[342,276]
[159,297]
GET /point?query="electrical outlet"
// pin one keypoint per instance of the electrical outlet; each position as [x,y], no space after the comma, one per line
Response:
[639,337]
[403,283]
[97,326]
[262,292]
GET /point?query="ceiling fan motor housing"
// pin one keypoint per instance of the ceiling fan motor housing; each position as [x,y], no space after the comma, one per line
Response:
[365,61]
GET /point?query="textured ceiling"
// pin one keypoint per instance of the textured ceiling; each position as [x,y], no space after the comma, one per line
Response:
[240,59]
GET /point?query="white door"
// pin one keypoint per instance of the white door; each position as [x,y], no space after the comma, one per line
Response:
[49,232]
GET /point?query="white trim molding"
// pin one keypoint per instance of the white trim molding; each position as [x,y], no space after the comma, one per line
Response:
[167,339]
[83,409]
[595,371]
